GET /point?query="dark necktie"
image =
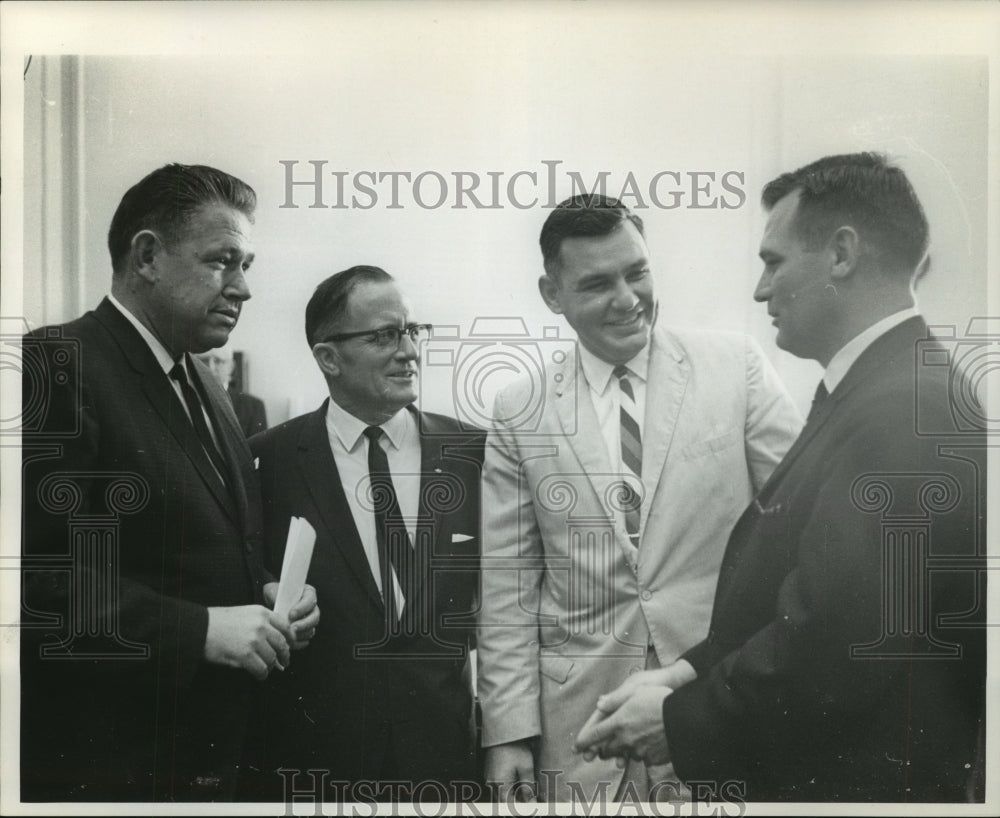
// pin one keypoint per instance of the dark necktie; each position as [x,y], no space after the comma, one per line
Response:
[631,455]
[394,547]
[818,400]
[197,414]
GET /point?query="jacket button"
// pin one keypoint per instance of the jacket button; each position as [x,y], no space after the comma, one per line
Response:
[647,595]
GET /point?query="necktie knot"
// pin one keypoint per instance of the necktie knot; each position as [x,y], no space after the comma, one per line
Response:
[374,433]
[196,413]
[621,372]
[819,398]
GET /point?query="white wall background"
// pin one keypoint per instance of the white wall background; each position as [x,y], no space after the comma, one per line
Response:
[114,90]
[637,88]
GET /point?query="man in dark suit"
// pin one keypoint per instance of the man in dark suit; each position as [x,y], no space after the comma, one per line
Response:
[144,623]
[250,410]
[846,655]
[383,694]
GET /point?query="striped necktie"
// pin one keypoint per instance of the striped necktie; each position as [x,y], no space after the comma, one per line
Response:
[197,414]
[631,445]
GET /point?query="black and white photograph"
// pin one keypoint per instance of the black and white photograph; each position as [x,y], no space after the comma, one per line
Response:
[526,408]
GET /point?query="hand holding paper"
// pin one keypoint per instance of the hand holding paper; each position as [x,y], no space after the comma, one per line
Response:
[293,599]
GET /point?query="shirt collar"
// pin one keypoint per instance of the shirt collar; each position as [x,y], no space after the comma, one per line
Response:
[349,429]
[159,351]
[851,351]
[598,372]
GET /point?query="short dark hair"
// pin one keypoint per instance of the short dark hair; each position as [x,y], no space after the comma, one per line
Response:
[865,191]
[329,300]
[580,216]
[166,199]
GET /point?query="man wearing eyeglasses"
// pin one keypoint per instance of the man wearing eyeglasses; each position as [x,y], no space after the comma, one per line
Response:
[393,494]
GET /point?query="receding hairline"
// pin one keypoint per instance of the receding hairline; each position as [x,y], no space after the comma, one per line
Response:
[331,298]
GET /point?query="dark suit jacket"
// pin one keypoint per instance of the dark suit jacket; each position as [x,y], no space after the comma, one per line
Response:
[128,709]
[402,711]
[250,412]
[840,663]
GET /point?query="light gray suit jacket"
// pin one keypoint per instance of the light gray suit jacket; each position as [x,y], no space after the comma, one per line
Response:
[568,604]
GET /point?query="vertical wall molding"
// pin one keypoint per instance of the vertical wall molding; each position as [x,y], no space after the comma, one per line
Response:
[54,242]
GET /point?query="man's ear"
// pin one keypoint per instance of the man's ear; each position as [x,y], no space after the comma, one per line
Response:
[327,359]
[142,254]
[845,244]
[549,288]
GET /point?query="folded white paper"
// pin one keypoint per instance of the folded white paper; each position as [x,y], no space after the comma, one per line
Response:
[295,565]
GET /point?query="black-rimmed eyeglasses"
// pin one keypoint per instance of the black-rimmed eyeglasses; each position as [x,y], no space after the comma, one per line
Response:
[388,337]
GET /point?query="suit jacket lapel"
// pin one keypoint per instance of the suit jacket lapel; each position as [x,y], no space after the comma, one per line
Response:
[319,471]
[666,382]
[898,341]
[575,411]
[441,460]
[161,395]
[428,522]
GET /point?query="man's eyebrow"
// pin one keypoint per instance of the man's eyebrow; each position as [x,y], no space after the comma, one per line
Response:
[592,278]
[231,250]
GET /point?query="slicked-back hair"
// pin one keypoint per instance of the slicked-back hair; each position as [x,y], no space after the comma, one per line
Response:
[166,199]
[329,301]
[862,190]
[586,215]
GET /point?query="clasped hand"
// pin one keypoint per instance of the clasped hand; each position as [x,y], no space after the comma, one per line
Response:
[256,639]
[628,721]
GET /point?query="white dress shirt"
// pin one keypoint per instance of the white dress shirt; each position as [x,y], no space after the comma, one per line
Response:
[401,441]
[851,351]
[166,363]
[605,395]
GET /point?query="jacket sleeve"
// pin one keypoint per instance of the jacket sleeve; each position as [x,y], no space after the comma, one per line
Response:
[512,569]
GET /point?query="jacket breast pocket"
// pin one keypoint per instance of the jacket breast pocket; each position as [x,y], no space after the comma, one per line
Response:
[713,445]
[555,667]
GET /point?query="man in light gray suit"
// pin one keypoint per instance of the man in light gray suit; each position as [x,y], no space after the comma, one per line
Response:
[604,525]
